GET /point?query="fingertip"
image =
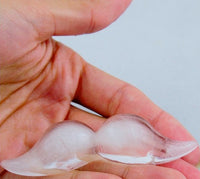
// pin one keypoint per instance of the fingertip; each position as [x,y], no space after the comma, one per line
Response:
[173,129]
[188,170]
[105,14]
[193,157]
[80,17]
[150,171]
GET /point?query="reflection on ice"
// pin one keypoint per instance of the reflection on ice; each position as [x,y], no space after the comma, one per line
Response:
[122,138]
[130,139]
[61,149]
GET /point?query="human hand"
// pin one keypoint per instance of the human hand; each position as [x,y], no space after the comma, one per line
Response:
[40,77]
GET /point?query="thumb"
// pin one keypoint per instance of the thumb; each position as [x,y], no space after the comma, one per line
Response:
[72,17]
[84,16]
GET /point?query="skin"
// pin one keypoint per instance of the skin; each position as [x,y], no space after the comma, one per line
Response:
[41,77]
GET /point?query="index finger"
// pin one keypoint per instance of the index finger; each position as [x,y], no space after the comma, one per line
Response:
[108,95]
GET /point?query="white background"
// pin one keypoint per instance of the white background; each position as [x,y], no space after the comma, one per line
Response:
[154,45]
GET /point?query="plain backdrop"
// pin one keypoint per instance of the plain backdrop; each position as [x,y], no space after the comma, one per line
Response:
[154,45]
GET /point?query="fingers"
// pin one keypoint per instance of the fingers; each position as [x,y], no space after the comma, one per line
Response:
[107,96]
[77,17]
[148,171]
[134,171]
[68,17]
[68,175]
[189,171]
[91,120]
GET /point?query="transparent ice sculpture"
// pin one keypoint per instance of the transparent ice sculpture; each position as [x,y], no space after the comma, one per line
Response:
[64,147]
[122,138]
[132,140]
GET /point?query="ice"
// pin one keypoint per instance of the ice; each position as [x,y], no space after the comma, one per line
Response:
[62,148]
[132,140]
[122,138]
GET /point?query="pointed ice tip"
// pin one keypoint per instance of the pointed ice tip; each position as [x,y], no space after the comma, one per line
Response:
[176,150]
[15,167]
[181,148]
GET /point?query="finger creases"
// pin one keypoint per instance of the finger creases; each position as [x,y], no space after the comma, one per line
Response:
[134,171]
[79,17]
[188,170]
[108,95]
[69,175]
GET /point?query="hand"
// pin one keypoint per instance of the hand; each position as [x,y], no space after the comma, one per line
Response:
[41,77]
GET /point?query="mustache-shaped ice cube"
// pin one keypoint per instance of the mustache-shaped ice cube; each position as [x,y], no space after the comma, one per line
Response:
[123,138]
[60,149]
[130,139]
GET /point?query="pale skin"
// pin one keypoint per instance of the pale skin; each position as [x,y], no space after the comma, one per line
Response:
[39,78]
